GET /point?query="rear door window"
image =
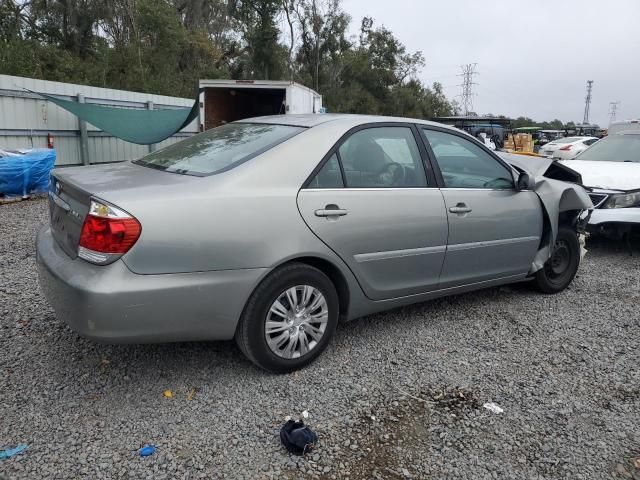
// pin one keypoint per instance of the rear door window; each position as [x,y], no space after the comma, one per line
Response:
[380,157]
[219,149]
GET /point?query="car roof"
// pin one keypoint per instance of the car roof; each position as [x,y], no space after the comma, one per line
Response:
[314,119]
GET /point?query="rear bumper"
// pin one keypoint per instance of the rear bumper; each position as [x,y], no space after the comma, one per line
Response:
[113,305]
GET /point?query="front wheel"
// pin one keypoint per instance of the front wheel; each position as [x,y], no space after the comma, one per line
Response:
[289,319]
[559,270]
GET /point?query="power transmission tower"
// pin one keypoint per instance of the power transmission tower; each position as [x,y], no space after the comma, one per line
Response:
[468,71]
[613,109]
[587,101]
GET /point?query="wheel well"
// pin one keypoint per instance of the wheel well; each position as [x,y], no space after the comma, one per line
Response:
[568,218]
[334,274]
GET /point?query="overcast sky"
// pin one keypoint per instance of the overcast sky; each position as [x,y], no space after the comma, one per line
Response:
[534,57]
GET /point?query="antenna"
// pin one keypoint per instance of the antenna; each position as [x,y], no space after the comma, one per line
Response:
[587,102]
[613,109]
[468,71]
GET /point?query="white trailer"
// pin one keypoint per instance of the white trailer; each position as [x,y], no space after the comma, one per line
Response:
[223,101]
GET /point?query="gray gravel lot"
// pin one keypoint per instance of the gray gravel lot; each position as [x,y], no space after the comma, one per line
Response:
[396,395]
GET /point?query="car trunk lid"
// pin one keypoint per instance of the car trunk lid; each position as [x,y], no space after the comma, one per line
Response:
[68,207]
[122,184]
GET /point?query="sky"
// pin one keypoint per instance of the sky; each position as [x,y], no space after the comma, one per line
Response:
[533,57]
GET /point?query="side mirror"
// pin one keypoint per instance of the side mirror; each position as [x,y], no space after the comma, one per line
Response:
[525,182]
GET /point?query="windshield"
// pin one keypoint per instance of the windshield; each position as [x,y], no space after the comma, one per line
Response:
[614,148]
[218,149]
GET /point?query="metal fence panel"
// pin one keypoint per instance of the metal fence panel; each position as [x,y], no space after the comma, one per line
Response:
[26,120]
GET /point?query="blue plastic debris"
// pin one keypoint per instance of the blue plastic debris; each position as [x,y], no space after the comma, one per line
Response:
[26,171]
[147,450]
[10,452]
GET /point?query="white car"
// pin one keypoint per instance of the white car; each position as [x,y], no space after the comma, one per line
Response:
[566,148]
[610,171]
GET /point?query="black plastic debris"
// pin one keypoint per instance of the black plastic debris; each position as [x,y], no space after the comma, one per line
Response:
[297,438]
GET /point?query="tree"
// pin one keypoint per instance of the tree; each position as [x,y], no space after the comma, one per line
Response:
[262,56]
[165,46]
[379,77]
[323,27]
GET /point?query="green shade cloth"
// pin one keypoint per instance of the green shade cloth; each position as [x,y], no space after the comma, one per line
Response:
[143,127]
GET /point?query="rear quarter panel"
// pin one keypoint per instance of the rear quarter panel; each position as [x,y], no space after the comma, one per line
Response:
[246,217]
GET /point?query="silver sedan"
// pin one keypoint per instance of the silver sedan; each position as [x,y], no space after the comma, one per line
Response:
[272,230]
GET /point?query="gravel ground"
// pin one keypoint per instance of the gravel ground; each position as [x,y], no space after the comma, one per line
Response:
[396,395]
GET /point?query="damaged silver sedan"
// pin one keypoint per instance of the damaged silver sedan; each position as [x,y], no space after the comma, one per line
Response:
[272,230]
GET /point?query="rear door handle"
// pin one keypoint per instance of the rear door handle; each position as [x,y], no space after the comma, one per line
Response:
[460,208]
[330,211]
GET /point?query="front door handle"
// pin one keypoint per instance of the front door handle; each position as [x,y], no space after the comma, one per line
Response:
[460,208]
[330,211]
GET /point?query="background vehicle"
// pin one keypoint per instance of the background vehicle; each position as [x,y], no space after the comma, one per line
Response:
[624,126]
[272,229]
[611,170]
[225,101]
[583,130]
[495,128]
[546,136]
[567,147]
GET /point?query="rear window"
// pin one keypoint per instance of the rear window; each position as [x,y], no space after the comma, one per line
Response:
[614,148]
[218,149]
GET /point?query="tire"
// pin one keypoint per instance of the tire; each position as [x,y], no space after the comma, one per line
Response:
[288,285]
[558,272]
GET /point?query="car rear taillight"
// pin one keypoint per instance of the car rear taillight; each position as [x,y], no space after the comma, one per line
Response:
[107,233]
[566,148]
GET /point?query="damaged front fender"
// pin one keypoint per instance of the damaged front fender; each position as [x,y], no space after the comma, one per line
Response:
[562,197]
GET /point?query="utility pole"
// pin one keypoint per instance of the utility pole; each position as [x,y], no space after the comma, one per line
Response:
[587,101]
[613,109]
[468,71]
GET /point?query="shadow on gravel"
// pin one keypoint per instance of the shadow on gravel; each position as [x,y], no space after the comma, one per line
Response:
[600,245]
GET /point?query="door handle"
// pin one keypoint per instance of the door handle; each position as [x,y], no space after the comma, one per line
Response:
[330,211]
[460,208]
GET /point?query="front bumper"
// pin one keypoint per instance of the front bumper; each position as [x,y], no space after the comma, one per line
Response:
[113,305]
[614,222]
[615,215]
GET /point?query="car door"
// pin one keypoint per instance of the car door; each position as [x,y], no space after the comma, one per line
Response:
[372,202]
[494,229]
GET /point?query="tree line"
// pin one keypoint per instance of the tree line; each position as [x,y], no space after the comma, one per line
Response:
[165,46]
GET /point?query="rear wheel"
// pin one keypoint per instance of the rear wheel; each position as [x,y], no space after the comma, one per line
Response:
[558,272]
[289,319]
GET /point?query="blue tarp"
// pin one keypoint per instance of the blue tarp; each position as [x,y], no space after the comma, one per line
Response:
[25,172]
